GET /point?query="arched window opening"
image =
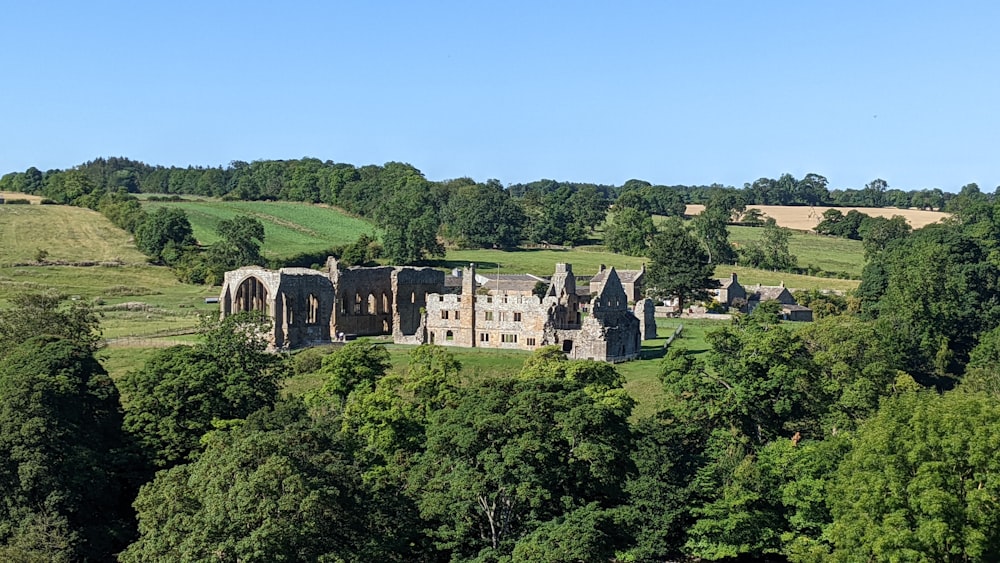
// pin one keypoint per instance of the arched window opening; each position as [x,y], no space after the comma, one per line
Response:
[312,313]
[251,295]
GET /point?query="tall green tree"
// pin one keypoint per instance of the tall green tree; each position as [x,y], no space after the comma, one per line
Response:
[410,221]
[357,364]
[180,391]
[629,231]
[919,483]
[279,487]
[484,216]
[64,491]
[163,228]
[46,314]
[240,239]
[877,232]
[771,251]
[710,228]
[933,293]
[679,267]
[513,455]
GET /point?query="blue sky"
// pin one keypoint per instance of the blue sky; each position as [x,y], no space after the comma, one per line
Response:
[669,92]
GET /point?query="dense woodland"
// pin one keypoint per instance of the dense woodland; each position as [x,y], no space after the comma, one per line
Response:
[869,435]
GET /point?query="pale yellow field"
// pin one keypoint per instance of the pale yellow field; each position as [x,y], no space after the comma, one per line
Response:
[806,218]
[68,234]
[34,199]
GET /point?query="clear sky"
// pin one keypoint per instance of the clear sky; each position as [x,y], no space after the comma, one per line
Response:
[669,92]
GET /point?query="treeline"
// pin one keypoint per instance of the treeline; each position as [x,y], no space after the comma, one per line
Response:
[359,188]
[865,436]
[418,217]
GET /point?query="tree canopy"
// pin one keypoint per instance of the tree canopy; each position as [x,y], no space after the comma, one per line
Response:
[679,267]
[181,391]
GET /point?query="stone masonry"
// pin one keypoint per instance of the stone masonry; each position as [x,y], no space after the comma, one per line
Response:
[308,307]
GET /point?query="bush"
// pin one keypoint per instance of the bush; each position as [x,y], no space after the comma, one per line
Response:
[18,201]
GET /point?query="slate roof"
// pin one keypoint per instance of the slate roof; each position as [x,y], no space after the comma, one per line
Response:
[625,276]
[766,293]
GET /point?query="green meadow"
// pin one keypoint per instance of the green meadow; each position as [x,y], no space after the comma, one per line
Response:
[831,254]
[67,234]
[290,228]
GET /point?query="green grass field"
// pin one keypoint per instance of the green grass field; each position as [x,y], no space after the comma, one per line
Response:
[289,228]
[160,305]
[832,254]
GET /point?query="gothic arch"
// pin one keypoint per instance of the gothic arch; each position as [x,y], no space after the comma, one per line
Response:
[251,295]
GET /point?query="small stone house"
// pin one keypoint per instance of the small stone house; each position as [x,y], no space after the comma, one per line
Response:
[734,295]
[731,293]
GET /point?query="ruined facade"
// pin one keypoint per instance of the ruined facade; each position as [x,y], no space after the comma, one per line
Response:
[415,306]
[299,301]
[525,322]
[632,281]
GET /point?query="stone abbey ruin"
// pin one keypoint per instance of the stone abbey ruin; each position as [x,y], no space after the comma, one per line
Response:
[419,305]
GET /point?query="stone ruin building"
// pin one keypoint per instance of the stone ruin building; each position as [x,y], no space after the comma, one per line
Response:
[610,332]
[415,306]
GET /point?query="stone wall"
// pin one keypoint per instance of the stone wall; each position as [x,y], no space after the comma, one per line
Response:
[298,301]
[309,307]
[645,311]
[411,287]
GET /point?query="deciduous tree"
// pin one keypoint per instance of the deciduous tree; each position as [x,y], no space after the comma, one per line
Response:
[679,267]
[512,455]
[174,399]
[629,231]
[63,456]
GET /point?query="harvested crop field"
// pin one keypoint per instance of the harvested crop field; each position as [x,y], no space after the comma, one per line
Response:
[805,218]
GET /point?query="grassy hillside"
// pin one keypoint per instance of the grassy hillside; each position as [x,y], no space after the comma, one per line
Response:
[831,254]
[289,228]
[70,234]
[134,300]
